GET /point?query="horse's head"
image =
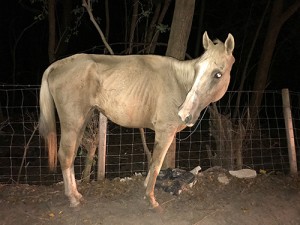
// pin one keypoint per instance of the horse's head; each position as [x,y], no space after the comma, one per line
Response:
[212,78]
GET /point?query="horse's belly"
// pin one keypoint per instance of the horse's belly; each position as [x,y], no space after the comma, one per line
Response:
[129,116]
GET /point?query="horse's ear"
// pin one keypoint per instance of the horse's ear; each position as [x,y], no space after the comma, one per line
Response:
[206,41]
[229,44]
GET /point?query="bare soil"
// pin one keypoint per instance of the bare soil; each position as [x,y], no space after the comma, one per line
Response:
[266,199]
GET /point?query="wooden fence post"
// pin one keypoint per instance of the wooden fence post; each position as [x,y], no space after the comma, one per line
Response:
[102,147]
[289,131]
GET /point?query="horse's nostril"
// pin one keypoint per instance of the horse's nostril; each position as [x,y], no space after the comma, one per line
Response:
[188,118]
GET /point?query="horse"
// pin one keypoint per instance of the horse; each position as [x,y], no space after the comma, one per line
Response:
[136,91]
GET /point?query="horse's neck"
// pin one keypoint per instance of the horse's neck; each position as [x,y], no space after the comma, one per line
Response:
[185,73]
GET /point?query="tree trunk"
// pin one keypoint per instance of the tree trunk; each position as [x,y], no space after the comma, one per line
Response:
[278,18]
[180,28]
[66,18]
[198,44]
[179,36]
[133,24]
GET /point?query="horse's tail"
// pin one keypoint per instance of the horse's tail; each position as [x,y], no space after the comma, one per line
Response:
[47,123]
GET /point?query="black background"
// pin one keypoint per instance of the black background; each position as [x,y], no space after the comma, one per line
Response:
[240,18]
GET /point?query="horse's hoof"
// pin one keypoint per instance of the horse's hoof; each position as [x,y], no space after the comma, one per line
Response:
[155,206]
[74,204]
[82,201]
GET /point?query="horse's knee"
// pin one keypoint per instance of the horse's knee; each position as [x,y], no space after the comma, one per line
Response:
[66,155]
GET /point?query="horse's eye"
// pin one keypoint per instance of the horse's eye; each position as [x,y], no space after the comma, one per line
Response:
[218,75]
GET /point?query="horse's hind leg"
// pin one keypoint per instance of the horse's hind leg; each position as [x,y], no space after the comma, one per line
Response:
[71,134]
[163,140]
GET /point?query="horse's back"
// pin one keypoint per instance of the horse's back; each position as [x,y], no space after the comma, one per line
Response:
[131,66]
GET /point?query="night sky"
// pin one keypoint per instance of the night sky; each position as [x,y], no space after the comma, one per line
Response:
[24,38]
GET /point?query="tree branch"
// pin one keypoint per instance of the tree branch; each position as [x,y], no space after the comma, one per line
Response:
[87,4]
[289,12]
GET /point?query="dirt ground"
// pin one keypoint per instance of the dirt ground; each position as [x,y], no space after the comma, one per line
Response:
[266,199]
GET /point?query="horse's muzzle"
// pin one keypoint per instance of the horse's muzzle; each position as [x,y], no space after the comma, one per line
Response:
[187,120]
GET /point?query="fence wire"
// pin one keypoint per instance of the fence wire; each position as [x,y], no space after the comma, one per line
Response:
[263,145]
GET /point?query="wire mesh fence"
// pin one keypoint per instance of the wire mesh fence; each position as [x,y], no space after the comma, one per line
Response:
[217,140]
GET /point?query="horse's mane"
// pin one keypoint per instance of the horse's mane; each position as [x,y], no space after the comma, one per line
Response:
[217,41]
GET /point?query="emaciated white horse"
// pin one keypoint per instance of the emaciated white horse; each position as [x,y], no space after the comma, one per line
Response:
[138,91]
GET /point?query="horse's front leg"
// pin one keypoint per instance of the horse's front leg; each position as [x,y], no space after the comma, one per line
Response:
[163,141]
